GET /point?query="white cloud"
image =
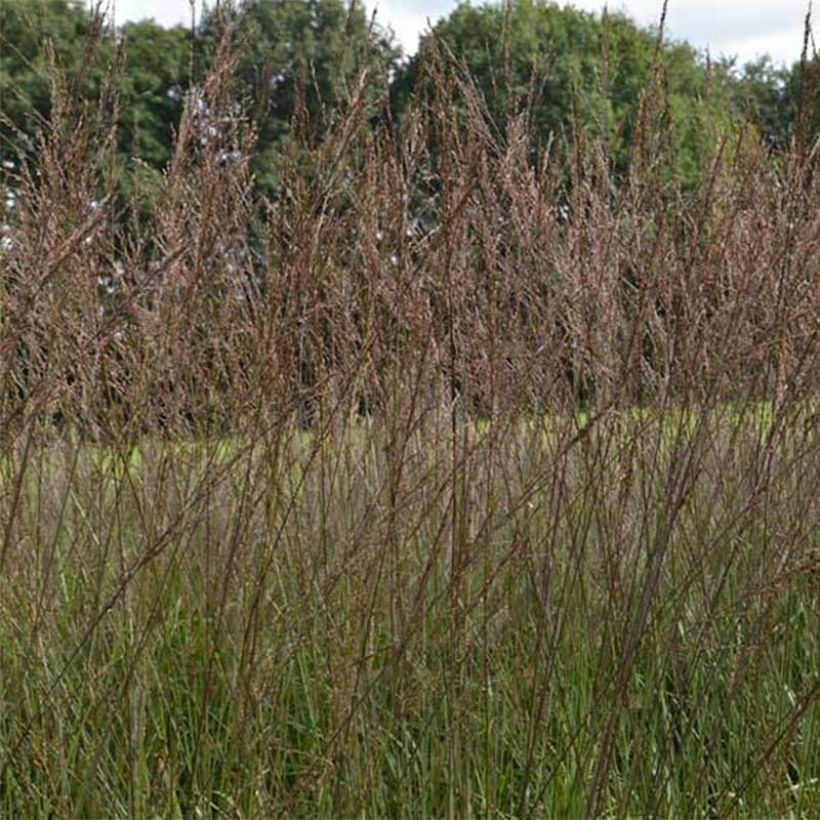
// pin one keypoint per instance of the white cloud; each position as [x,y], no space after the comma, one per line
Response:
[165,12]
[410,19]
[745,28]
[742,27]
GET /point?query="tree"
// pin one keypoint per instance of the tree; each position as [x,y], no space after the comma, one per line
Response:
[305,53]
[149,82]
[802,93]
[580,65]
[152,89]
[25,88]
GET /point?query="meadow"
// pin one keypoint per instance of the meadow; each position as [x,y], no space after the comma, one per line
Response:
[462,479]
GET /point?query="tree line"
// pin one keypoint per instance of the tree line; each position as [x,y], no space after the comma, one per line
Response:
[296,60]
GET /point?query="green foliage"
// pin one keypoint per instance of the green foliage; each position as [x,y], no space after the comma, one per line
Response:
[766,92]
[187,636]
[301,57]
[584,71]
[803,95]
[152,88]
[26,28]
[505,48]
[771,97]
[147,77]
[294,55]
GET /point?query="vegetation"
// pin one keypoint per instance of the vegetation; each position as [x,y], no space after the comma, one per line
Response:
[573,70]
[567,68]
[464,474]
[301,57]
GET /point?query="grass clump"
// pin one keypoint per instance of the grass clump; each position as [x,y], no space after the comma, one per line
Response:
[410,492]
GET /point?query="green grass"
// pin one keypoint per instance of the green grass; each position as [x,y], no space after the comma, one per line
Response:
[249,630]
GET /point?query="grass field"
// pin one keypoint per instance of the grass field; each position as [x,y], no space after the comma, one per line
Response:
[510,623]
[470,476]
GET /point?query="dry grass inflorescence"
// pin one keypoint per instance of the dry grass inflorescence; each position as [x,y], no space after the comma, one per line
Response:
[460,478]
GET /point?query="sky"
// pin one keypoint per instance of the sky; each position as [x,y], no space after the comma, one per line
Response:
[742,28]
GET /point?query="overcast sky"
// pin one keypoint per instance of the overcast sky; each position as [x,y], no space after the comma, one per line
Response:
[745,28]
